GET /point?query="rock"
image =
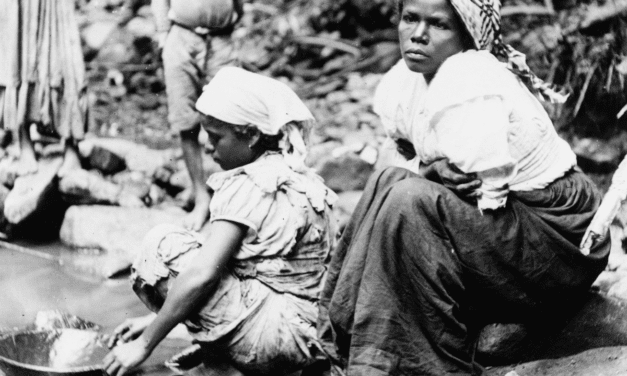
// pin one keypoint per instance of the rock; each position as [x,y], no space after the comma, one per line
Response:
[347,172]
[105,161]
[137,157]
[618,258]
[82,187]
[501,343]
[113,229]
[619,288]
[31,191]
[118,49]
[607,279]
[602,362]
[596,155]
[95,35]
[601,321]
[345,205]
[141,27]
[318,152]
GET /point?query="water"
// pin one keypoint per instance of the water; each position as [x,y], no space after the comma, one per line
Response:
[29,284]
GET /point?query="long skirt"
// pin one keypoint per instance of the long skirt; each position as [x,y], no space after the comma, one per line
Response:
[41,67]
[418,267]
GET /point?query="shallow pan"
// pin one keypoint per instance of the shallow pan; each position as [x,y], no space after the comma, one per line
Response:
[56,352]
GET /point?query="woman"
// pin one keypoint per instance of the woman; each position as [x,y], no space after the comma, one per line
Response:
[487,228]
[247,289]
[42,77]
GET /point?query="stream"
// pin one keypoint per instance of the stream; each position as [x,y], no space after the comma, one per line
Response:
[30,283]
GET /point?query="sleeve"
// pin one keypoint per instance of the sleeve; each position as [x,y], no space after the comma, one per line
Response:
[470,118]
[387,105]
[160,9]
[473,136]
[240,200]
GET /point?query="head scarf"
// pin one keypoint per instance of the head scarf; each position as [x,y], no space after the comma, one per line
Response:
[240,97]
[482,19]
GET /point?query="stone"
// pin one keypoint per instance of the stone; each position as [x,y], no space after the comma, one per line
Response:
[318,152]
[105,161]
[345,205]
[118,49]
[596,155]
[95,35]
[607,279]
[141,27]
[500,343]
[31,191]
[602,362]
[347,172]
[601,321]
[82,187]
[619,288]
[115,230]
[136,156]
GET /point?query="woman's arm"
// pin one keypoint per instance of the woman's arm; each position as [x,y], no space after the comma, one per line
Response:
[443,172]
[189,290]
[473,136]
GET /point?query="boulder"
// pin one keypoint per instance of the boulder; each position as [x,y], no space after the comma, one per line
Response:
[95,35]
[345,205]
[346,172]
[596,155]
[602,362]
[30,192]
[600,322]
[116,230]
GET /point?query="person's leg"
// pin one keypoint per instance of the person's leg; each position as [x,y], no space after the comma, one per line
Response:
[215,53]
[415,258]
[27,163]
[398,304]
[192,155]
[183,77]
[71,159]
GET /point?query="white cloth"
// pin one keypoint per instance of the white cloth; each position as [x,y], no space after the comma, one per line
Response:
[482,118]
[240,97]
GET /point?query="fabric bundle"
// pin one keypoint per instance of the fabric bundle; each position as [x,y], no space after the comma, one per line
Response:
[240,97]
[482,19]
[42,69]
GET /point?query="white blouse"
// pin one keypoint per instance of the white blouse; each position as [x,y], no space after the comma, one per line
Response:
[478,114]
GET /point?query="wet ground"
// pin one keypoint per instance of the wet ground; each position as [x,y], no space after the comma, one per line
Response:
[30,283]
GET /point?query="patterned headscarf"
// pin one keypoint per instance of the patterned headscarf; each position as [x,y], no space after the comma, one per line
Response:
[482,19]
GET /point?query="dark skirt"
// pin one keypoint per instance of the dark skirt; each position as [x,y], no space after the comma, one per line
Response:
[417,267]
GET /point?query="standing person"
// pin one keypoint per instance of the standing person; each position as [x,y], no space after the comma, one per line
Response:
[247,288]
[42,77]
[486,229]
[196,39]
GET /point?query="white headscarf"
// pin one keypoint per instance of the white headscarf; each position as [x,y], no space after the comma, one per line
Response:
[240,97]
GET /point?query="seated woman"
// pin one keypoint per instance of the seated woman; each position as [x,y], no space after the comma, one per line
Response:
[248,288]
[486,228]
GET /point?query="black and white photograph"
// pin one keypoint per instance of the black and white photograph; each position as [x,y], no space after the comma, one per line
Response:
[313,187]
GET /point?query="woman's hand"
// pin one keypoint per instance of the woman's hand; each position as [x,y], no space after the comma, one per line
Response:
[441,171]
[126,356]
[130,329]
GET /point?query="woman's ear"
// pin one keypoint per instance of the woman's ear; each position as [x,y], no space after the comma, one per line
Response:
[254,139]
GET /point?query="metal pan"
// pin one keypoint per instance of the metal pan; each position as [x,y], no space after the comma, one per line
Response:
[56,352]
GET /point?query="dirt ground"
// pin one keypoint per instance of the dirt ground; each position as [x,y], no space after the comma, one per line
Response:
[607,361]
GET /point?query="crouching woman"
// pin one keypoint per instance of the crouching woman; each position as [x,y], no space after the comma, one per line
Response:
[247,287]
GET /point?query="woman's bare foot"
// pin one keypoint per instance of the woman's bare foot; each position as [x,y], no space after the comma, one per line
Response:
[27,162]
[198,216]
[71,160]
